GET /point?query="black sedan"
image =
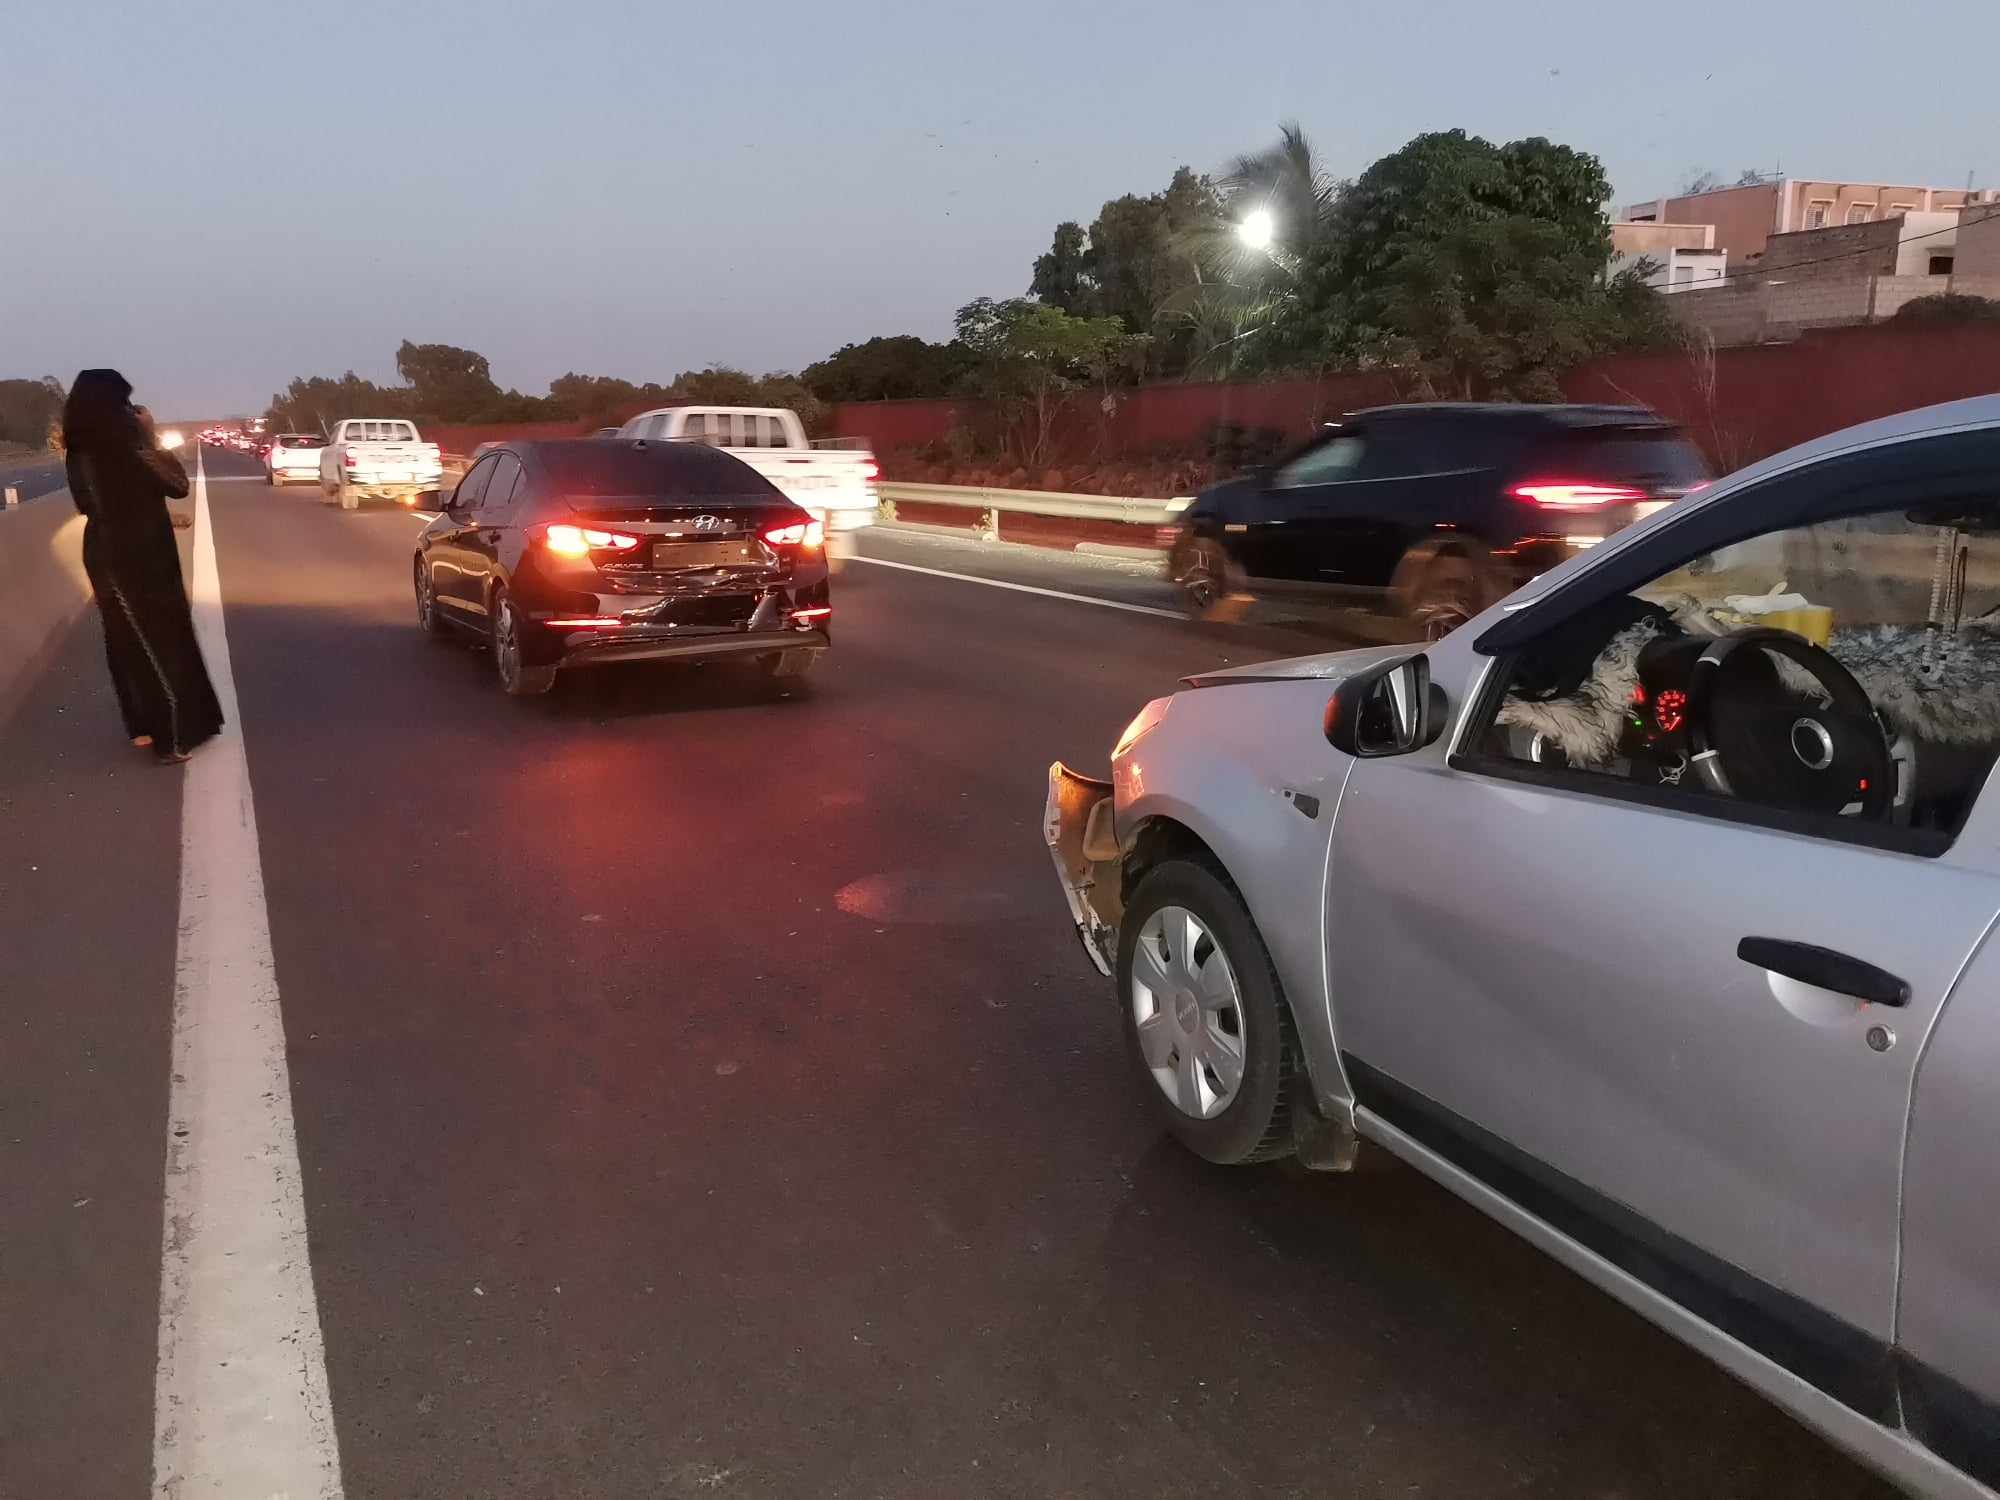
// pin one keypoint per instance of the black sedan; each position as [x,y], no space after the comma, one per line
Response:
[587,552]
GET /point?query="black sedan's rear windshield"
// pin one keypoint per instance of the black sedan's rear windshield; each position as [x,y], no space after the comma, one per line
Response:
[300,440]
[649,470]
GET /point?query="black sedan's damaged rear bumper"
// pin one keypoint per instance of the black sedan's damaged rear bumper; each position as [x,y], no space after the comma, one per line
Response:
[603,646]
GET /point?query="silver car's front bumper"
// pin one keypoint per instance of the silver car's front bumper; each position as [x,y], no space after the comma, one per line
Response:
[1077,826]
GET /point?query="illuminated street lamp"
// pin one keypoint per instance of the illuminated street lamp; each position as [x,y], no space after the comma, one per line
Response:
[1256,228]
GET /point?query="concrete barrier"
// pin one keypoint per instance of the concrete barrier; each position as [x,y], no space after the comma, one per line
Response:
[42,591]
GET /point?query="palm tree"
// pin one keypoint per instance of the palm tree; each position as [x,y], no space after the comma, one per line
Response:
[1241,292]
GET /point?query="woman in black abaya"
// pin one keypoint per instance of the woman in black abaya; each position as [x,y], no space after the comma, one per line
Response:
[121,482]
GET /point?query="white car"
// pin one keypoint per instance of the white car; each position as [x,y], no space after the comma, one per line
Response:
[378,458]
[835,485]
[1650,911]
[294,457]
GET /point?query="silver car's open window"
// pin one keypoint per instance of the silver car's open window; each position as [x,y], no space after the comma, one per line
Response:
[1841,677]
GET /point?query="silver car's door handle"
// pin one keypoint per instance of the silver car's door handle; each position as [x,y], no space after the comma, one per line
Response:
[1825,969]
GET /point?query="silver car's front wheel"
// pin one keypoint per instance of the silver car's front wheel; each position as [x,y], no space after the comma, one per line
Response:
[1188,1013]
[1205,1019]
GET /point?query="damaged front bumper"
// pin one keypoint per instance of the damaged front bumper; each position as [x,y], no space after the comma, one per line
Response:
[1077,826]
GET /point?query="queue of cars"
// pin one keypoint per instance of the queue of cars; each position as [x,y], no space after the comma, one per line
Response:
[1647,910]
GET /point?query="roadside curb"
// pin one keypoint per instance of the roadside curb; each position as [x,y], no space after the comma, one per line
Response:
[42,578]
[1114,549]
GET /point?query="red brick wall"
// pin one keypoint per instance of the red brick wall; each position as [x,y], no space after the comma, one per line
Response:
[1771,396]
[1151,419]
[1767,397]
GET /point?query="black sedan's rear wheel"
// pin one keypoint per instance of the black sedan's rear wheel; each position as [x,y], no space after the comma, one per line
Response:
[429,620]
[518,678]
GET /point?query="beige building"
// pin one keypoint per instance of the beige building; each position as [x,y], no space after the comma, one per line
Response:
[1977,254]
[1683,256]
[1745,218]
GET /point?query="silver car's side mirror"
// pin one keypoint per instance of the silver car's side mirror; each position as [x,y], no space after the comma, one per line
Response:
[1390,709]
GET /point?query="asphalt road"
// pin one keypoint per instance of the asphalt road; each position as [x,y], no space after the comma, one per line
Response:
[31,478]
[700,1092]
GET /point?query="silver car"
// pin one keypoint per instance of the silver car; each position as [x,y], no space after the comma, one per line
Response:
[1647,912]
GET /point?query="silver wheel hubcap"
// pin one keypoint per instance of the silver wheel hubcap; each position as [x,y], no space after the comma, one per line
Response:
[1188,1013]
[506,649]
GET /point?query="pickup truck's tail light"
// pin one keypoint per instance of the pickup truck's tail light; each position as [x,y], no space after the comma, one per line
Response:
[580,541]
[347,459]
[1574,494]
[807,616]
[798,534]
[871,470]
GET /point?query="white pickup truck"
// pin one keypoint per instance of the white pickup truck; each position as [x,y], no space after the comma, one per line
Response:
[835,484]
[378,458]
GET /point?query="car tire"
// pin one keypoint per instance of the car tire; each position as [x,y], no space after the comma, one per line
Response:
[430,619]
[518,678]
[1439,586]
[271,477]
[1182,1028]
[1201,575]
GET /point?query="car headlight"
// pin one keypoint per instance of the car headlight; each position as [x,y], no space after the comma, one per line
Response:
[171,439]
[1142,724]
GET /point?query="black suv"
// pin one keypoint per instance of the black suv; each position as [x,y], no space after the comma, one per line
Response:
[1436,510]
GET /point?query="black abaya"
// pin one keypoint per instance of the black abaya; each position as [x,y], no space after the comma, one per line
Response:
[122,487]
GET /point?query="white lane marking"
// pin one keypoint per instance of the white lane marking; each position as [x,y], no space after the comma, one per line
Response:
[240,1404]
[1025,588]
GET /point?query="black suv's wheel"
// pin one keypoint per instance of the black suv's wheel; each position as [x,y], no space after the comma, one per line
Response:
[517,677]
[1201,571]
[1206,1023]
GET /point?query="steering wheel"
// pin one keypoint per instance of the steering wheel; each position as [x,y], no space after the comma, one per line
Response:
[1757,737]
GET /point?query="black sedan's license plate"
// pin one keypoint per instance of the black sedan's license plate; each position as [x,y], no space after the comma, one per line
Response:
[743,553]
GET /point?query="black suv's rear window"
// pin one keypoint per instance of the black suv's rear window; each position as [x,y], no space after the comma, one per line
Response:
[1657,457]
[299,440]
[636,470]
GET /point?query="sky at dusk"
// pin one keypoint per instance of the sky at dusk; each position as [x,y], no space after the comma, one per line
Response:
[217,197]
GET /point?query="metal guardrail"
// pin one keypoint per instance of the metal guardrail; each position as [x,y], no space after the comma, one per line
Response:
[992,503]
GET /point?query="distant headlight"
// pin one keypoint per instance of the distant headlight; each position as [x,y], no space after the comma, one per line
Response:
[1142,725]
[171,439]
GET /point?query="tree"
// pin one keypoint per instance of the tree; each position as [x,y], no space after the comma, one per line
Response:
[314,403]
[1028,356]
[1498,309]
[886,369]
[1136,260]
[1949,307]
[1063,276]
[454,385]
[30,410]
[1246,308]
